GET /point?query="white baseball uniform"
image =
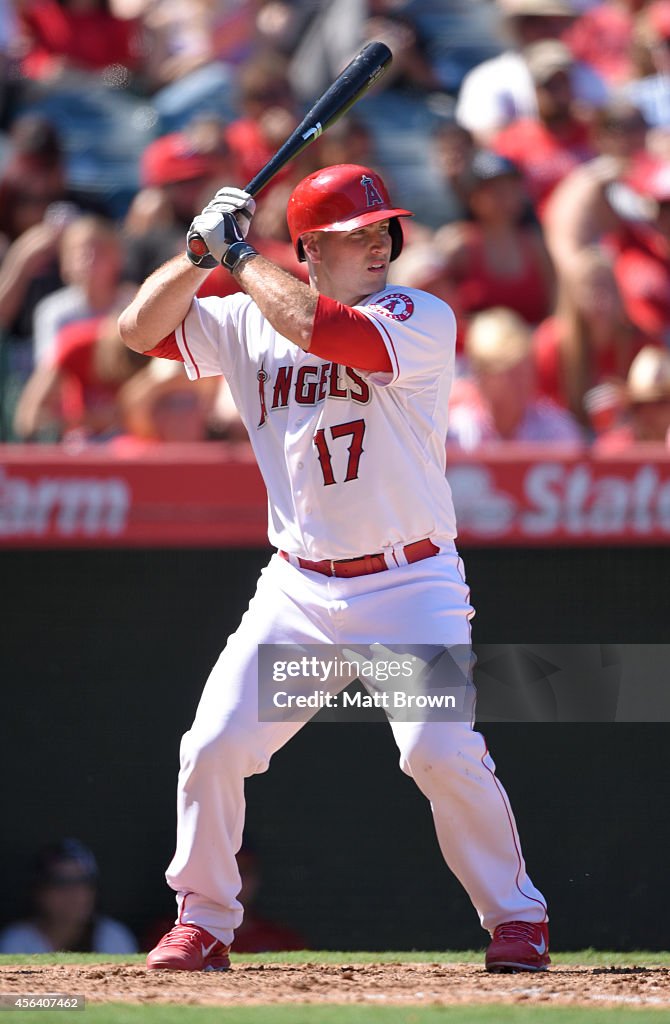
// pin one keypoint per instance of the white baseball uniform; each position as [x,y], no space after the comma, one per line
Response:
[354,464]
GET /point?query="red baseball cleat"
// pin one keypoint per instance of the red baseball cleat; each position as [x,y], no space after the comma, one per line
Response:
[519,946]
[188,947]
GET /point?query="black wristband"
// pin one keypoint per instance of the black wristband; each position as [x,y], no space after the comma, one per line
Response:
[236,254]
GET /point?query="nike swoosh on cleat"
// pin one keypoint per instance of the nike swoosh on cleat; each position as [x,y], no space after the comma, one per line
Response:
[542,948]
[206,950]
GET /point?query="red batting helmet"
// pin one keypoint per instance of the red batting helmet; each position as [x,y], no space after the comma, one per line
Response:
[342,198]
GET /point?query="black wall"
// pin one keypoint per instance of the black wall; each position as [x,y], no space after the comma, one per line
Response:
[102,659]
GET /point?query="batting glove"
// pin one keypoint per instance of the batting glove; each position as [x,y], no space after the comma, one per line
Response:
[225,220]
[234,200]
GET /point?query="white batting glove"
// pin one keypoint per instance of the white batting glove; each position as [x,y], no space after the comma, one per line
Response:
[226,219]
[234,200]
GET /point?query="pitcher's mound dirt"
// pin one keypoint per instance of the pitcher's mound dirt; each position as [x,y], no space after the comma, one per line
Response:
[420,984]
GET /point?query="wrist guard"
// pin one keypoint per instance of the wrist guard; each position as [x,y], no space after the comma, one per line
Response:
[236,254]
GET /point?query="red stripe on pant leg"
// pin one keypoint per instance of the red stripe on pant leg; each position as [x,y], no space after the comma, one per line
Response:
[183,904]
[511,825]
[460,568]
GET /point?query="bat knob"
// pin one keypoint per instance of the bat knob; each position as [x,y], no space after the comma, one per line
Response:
[197,245]
[198,253]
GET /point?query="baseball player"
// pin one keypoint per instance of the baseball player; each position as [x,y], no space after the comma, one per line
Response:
[343,385]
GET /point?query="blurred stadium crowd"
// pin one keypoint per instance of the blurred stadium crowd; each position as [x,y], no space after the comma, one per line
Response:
[530,137]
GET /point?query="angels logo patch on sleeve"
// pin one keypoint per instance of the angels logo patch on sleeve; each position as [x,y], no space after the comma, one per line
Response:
[396,306]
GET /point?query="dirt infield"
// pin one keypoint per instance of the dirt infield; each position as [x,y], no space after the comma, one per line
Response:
[381,984]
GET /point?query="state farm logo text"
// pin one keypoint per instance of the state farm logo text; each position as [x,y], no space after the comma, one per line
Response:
[552,498]
[583,502]
[63,506]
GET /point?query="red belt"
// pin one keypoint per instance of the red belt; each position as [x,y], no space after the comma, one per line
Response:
[366,564]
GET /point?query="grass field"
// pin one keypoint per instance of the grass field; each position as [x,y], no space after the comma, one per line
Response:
[121,1014]
[590,957]
[141,1007]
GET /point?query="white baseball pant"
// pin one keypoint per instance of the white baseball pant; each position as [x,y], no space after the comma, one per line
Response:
[426,602]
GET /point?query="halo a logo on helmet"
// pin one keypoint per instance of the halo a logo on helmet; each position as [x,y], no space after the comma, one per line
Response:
[372,196]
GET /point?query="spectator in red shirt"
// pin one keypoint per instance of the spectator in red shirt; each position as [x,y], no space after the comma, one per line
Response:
[602,38]
[497,259]
[79,34]
[501,403]
[75,391]
[179,173]
[185,163]
[595,199]
[590,340]
[642,255]
[647,397]
[546,148]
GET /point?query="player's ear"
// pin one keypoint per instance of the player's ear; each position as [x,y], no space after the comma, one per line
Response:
[310,243]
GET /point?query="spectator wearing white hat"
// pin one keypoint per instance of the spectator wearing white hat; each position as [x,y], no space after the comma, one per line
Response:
[549,146]
[646,398]
[501,90]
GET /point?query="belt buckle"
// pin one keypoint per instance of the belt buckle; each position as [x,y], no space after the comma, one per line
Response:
[332,567]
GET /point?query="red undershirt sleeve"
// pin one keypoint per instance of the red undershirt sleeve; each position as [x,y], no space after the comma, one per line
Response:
[344,335]
[166,349]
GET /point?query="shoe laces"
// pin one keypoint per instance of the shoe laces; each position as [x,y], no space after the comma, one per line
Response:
[511,931]
[179,934]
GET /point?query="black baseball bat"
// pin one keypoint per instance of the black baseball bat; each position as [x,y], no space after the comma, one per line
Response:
[349,86]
